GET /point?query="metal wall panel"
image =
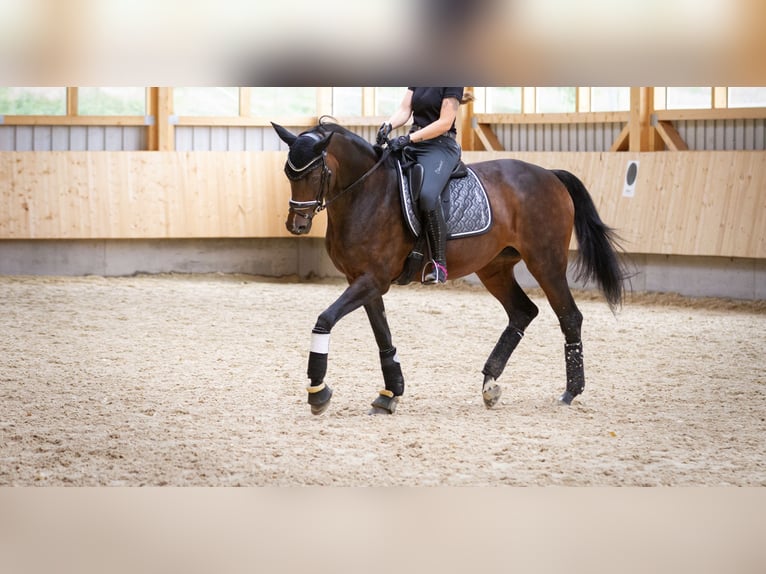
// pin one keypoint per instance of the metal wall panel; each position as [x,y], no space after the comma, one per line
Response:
[723,135]
[235,138]
[557,137]
[72,138]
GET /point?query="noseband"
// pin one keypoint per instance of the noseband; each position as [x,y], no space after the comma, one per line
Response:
[308,209]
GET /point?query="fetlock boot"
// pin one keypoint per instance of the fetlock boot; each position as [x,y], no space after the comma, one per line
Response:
[437,241]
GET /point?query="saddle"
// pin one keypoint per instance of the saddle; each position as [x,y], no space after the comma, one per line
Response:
[464,203]
[414,173]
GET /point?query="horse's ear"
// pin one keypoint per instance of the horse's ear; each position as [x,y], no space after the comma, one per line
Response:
[284,134]
[322,144]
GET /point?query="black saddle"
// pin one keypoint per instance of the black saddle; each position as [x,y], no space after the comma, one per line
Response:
[414,173]
[465,205]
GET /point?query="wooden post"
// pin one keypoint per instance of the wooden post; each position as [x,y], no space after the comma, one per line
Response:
[720,97]
[464,124]
[72,107]
[324,101]
[244,102]
[152,135]
[368,101]
[583,100]
[528,100]
[165,129]
[641,109]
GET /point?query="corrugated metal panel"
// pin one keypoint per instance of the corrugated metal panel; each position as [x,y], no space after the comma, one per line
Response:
[7,138]
[723,135]
[72,138]
[222,138]
[557,137]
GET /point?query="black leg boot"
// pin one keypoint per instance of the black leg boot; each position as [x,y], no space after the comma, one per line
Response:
[437,241]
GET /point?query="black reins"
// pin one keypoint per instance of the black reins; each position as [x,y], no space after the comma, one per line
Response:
[308,209]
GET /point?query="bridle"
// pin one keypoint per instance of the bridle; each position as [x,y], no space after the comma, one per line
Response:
[308,209]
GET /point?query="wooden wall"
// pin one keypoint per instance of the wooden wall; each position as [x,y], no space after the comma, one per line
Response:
[707,203]
[111,195]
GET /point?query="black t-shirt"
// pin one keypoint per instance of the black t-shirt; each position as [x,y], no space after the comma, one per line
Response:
[427,104]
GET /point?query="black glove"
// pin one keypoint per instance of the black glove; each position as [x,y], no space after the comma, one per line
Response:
[385,129]
[399,143]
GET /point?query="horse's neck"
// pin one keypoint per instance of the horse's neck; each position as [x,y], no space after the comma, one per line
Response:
[367,199]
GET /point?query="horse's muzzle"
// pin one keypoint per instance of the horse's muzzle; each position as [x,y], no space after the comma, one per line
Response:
[297,223]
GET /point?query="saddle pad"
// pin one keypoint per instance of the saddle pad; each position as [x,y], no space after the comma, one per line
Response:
[470,212]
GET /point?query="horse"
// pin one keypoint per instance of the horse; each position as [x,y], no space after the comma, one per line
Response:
[534,212]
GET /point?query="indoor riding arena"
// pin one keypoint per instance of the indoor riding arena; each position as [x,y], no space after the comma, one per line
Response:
[157,314]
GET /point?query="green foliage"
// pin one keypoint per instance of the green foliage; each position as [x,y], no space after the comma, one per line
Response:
[32,101]
[112,101]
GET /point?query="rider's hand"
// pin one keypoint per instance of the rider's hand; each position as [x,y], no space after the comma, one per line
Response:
[399,143]
[383,132]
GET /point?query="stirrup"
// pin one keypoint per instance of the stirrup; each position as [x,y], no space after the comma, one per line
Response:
[438,273]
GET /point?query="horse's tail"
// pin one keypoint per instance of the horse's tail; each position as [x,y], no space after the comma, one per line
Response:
[598,243]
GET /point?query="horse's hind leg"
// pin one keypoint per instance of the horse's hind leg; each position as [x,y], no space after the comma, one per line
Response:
[499,280]
[387,399]
[554,284]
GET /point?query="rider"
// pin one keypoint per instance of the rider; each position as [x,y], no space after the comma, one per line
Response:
[432,141]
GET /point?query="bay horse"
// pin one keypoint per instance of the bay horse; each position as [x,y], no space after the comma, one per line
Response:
[534,211]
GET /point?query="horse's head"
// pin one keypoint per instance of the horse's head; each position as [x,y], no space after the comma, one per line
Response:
[309,176]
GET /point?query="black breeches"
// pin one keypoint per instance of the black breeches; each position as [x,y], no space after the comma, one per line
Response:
[438,157]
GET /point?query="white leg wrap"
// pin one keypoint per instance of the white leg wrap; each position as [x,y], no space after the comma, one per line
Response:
[320,343]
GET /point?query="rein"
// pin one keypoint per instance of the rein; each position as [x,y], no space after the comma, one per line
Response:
[310,208]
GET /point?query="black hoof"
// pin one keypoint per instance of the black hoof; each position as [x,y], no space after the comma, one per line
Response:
[490,392]
[319,398]
[566,398]
[384,404]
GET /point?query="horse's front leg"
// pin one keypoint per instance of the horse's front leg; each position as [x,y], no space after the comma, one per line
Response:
[388,398]
[359,293]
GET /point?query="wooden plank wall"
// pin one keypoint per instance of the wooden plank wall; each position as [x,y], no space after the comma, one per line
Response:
[707,203]
[685,203]
[110,195]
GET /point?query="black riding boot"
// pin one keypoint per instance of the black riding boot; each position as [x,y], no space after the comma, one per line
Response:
[437,241]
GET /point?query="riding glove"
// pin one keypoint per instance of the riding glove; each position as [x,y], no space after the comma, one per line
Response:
[383,132]
[399,143]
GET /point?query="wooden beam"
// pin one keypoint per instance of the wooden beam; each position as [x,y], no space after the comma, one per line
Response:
[72,106]
[641,108]
[621,143]
[465,133]
[583,100]
[529,100]
[670,136]
[74,120]
[720,97]
[165,129]
[245,99]
[152,133]
[488,138]
[245,121]
[324,101]
[714,114]
[558,118]
[368,102]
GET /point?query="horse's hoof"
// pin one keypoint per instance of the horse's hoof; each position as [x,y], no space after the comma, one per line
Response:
[491,392]
[319,398]
[385,403]
[566,398]
[319,409]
